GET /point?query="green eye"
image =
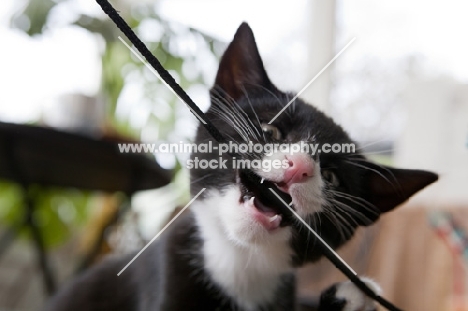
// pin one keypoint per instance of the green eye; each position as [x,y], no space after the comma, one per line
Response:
[271,131]
[331,178]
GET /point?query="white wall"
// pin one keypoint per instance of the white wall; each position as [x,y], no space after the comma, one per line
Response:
[436,134]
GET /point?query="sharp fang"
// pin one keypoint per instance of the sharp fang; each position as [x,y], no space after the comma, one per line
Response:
[251,201]
[273,218]
[263,179]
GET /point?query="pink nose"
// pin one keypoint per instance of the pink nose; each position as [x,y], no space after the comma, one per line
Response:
[301,167]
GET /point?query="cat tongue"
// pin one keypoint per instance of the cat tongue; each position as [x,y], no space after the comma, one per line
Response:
[259,188]
[263,208]
[263,214]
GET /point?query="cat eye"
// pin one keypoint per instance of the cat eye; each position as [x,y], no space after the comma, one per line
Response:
[271,131]
[331,178]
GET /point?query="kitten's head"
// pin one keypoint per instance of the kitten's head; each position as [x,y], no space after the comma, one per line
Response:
[334,192]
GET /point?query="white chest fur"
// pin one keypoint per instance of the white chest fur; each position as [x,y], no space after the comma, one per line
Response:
[246,268]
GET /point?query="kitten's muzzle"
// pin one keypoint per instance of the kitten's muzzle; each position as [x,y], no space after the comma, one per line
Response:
[300,170]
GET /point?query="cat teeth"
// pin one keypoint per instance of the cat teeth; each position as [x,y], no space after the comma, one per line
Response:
[251,201]
[273,218]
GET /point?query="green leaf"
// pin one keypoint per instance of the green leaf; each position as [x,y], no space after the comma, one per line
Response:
[33,17]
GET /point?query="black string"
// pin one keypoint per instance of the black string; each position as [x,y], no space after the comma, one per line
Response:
[163,73]
[166,76]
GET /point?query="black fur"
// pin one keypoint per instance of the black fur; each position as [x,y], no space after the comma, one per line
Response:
[170,274]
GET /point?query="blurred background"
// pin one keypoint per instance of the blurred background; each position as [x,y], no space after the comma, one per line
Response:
[400,90]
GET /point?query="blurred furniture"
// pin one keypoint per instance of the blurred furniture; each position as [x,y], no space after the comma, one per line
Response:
[403,253]
[49,157]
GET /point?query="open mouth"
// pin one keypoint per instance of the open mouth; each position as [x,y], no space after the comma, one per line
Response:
[256,194]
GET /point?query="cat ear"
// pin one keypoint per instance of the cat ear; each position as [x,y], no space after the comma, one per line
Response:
[387,187]
[241,67]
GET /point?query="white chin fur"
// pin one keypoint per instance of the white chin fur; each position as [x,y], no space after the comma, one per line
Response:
[241,256]
[232,219]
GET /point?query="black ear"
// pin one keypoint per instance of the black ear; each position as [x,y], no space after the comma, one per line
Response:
[241,67]
[387,187]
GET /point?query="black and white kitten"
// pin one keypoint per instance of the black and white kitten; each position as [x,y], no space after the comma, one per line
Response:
[233,250]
